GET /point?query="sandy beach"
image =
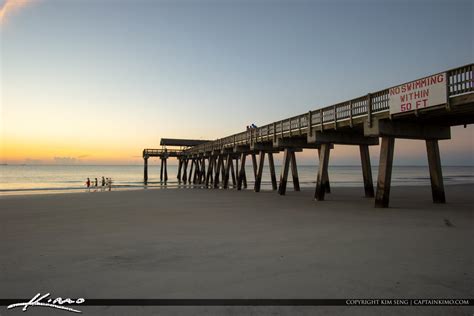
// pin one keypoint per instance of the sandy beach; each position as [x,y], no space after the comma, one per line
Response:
[198,243]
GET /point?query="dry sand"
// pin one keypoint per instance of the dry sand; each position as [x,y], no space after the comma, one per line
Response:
[198,243]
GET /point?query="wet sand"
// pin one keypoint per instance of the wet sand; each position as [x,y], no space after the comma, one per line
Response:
[198,243]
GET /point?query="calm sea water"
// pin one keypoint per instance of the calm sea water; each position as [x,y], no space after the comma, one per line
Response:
[29,179]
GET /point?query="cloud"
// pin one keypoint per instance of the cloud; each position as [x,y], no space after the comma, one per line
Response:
[30,161]
[65,160]
[10,5]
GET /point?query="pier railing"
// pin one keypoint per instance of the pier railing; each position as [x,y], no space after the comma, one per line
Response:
[459,81]
[161,152]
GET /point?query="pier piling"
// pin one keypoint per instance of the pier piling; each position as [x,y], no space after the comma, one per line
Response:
[322,172]
[258,178]
[145,170]
[436,174]
[272,171]
[284,171]
[366,170]
[385,172]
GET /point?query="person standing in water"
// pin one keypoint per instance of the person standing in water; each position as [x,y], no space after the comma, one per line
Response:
[88,183]
[96,182]
[103,181]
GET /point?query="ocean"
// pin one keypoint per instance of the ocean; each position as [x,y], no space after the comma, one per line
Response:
[39,179]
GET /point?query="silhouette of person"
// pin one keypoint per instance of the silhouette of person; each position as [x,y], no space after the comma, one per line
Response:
[103,181]
[96,182]
[88,183]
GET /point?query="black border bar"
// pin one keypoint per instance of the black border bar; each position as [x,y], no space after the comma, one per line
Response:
[264,302]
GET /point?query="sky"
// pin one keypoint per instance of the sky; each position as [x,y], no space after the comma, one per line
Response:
[96,82]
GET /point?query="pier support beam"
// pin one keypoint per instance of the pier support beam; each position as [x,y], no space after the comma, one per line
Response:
[271,164]
[284,171]
[209,170]
[224,159]
[191,169]
[180,164]
[322,172]
[254,165]
[228,165]
[294,172]
[202,174]
[385,171]
[245,179]
[366,170]
[436,175]
[232,173]
[166,170]
[258,178]
[185,169]
[161,169]
[241,176]
[325,177]
[196,170]
[145,170]
[218,171]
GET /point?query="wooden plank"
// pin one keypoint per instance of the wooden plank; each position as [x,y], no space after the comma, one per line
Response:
[272,171]
[322,171]
[385,172]
[366,170]
[258,178]
[284,171]
[436,174]
[294,172]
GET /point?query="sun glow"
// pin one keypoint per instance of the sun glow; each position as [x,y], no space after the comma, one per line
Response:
[11,5]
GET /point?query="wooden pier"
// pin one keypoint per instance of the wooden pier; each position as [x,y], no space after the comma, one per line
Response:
[422,109]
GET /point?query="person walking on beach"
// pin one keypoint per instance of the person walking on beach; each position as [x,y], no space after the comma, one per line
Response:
[103,181]
[96,182]
[88,183]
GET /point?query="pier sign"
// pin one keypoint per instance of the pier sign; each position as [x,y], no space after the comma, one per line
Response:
[418,94]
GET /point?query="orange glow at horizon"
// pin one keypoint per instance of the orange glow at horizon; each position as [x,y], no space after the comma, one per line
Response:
[41,150]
